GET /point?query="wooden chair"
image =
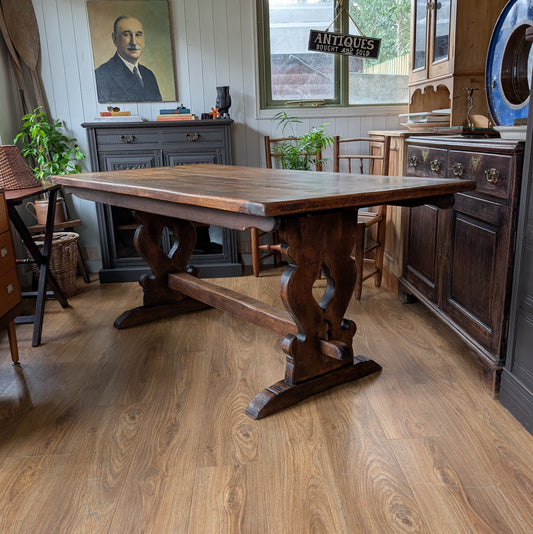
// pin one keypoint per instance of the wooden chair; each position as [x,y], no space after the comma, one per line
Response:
[262,251]
[372,157]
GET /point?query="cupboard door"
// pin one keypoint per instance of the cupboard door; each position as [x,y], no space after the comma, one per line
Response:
[477,272]
[440,39]
[118,161]
[117,245]
[424,250]
[190,158]
[419,40]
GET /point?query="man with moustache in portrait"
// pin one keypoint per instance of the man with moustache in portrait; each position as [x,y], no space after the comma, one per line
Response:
[123,78]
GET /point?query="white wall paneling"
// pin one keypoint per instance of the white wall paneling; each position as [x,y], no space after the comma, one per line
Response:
[214,44]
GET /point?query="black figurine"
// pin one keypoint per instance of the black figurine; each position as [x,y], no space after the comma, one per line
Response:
[223,101]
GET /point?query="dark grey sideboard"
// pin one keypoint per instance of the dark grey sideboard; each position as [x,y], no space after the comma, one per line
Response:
[131,145]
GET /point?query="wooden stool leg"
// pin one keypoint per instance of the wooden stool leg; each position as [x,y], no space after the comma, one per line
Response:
[13,346]
[382,226]
[359,256]
[254,236]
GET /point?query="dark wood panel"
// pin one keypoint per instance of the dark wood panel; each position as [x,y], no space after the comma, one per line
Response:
[422,253]
[478,280]
[460,265]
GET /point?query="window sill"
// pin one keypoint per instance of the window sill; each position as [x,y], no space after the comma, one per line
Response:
[334,112]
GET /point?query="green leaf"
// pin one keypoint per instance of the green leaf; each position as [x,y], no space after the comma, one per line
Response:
[51,151]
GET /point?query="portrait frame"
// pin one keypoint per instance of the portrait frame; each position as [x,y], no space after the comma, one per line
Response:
[158,54]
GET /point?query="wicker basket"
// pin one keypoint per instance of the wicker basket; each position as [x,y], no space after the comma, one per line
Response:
[63,259]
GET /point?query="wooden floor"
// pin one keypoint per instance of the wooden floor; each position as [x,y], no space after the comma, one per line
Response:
[144,430]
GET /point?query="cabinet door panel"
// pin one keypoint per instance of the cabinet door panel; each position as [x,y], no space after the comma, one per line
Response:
[118,161]
[423,250]
[117,243]
[479,262]
[419,40]
[181,158]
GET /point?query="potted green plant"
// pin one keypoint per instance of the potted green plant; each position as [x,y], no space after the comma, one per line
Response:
[50,152]
[300,152]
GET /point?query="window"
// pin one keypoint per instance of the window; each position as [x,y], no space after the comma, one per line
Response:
[290,74]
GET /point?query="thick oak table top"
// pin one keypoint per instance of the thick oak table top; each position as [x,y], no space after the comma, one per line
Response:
[262,192]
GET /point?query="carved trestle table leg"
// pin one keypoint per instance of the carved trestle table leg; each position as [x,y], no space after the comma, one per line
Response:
[318,344]
[158,300]
[317,243]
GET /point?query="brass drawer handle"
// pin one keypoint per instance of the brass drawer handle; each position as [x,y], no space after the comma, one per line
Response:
[492,176]
[458,168]
[4,252]
[435,165]
[413,161]
[127,138]
[10,288]
[192,136]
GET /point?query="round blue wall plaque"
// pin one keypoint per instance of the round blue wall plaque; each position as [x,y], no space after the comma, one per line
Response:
[509,64]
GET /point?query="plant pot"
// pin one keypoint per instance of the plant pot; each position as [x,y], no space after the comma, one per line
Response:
[39,208]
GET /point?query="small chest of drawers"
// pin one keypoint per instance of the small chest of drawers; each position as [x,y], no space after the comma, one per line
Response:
[459,262]
[10,297]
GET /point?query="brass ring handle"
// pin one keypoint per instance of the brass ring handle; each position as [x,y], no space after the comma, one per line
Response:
[435,165]
[127,138]
[413,161]
[492,176]
[458,168]
[10,288]
[192,136]
[3,252]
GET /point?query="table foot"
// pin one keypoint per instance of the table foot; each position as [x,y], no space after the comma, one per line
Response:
[282,395]
[145,314]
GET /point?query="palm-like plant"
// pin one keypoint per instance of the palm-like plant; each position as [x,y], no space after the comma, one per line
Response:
[300,152]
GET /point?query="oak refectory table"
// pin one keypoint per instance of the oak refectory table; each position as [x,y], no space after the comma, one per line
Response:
[316,214]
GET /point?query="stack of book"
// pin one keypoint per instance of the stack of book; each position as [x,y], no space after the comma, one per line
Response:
[179,114]
[118,116]
[115,113]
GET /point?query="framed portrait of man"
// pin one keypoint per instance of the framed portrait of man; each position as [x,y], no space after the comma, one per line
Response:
[132,51]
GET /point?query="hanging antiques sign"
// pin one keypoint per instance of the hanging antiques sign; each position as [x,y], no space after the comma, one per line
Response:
[344,44]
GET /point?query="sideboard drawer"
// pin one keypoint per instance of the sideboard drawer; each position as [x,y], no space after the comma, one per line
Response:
[192,135]
[127,137]
[427,161]
[7,256]
[491,172]
[9,291]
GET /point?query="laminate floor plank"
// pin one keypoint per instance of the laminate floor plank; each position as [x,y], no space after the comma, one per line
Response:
[143,430]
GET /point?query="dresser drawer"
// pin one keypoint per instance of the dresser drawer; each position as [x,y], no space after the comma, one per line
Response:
[127,137]
[4,219]
[491,172]
[9,291]
[427,161]
[7,256]
[192,135]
